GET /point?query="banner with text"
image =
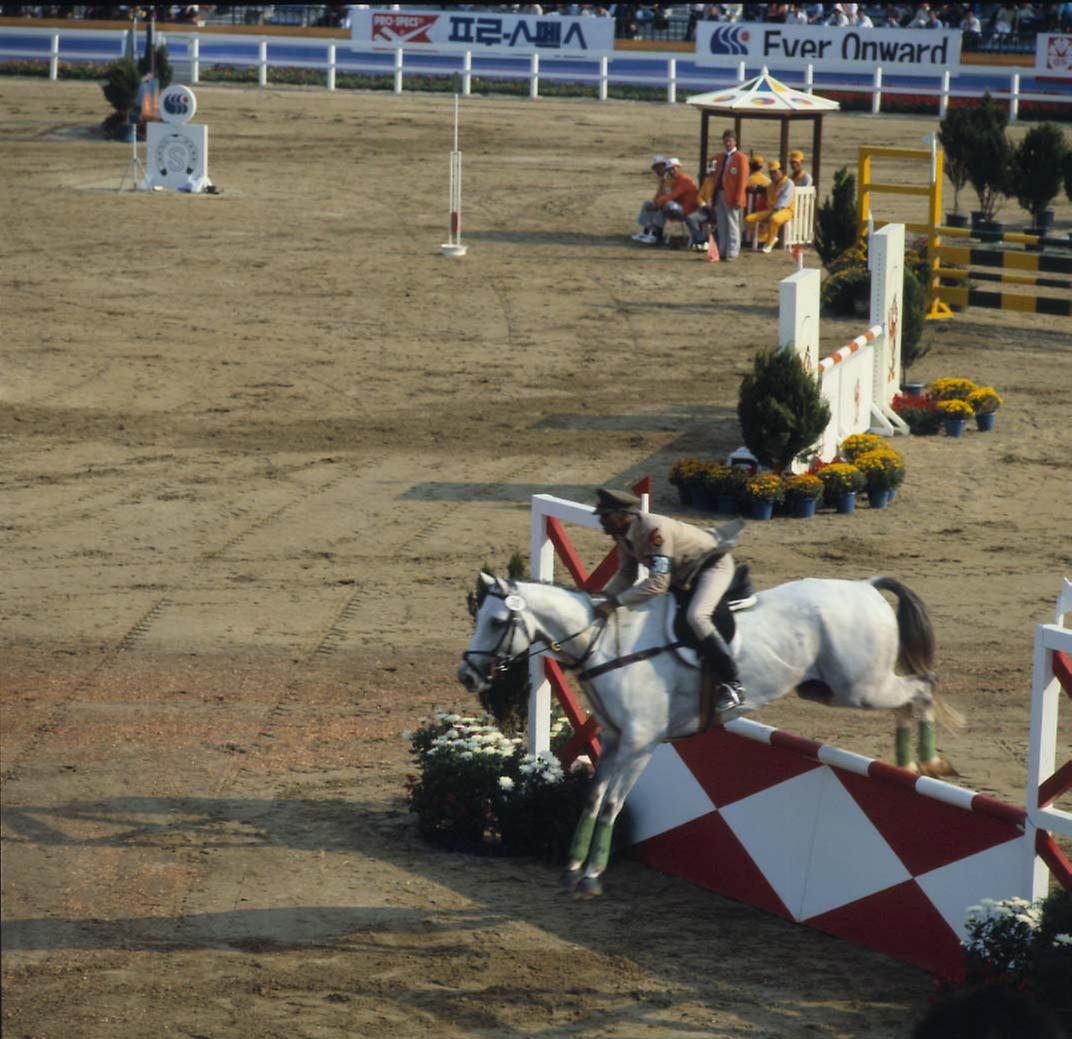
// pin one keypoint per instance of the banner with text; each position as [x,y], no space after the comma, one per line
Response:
[1053,55]
[928,51]
[454,30]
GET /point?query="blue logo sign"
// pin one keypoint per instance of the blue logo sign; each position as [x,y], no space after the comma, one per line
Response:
[727,39]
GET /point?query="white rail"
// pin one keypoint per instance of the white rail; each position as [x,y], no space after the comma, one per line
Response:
[665,67]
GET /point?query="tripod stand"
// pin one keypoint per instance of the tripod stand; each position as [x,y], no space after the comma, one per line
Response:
[135,170]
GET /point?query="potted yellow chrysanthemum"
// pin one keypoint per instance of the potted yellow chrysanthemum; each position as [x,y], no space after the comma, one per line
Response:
[762,492]
[803,492]
[956,412]
[841,481]
[985,402]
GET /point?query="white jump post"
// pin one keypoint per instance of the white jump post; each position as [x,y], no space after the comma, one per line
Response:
[467,74]
[860,380]
[453,245]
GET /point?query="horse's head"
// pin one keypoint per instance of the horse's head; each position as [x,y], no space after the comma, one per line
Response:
[502,634]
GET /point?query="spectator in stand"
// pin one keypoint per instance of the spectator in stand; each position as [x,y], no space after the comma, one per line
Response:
[776,13]
[796,16]
[676,201]
[779,205]
[838,18]
[756,190]
[923,16]
[972,29]
[816,13]
[649,209]
[696,14]
[1064,17]
[800,177]
[858,19]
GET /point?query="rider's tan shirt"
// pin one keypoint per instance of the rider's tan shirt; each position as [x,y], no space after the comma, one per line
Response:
[649,535]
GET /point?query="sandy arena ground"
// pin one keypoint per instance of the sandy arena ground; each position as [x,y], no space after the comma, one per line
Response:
[256,446]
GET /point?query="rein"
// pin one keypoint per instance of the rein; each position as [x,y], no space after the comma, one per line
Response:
[629,658]
[504,661]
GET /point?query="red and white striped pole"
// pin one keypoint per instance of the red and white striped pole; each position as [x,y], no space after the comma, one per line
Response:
[453,245]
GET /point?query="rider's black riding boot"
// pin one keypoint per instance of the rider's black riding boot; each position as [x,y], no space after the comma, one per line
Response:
[730,692]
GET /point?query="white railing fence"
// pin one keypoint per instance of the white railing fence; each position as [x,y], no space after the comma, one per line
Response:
[192,53]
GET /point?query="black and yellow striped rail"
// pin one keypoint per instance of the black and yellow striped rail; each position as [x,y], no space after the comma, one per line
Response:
[1018,268]
[1007,238]
[962,297]
[1013,260]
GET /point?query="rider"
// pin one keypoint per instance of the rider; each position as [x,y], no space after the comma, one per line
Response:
[677,556]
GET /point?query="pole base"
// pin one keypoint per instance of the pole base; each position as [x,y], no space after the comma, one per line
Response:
[454,249]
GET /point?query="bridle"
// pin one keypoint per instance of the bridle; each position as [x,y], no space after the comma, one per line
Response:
[502,661]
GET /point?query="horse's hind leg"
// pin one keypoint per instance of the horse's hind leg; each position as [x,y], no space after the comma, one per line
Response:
[929,762]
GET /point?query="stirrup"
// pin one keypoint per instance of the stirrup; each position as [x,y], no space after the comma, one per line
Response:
[728,697]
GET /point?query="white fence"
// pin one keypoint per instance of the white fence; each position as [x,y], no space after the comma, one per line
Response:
[660,70]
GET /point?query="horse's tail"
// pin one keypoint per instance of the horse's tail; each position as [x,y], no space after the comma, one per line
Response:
[916,656]
[916,653]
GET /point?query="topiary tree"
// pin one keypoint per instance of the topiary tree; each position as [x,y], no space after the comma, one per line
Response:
[780,408]
[164,72]
[955,135]
[989,155]
[507,698]
[1037,168]
[835,222]
[120,85]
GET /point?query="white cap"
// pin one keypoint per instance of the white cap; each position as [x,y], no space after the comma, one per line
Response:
[673,162]
[657,159]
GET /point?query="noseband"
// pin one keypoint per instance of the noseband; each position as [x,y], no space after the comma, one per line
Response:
[504,661]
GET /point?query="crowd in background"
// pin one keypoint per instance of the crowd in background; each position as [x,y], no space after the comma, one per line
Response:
[632,20]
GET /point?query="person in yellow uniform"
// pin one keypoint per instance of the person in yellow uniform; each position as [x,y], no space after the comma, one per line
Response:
[677,555]
[800,177]
[779,205]
[756,189]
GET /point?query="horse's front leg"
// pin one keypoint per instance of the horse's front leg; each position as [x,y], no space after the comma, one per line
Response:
[629,763]
[586,825]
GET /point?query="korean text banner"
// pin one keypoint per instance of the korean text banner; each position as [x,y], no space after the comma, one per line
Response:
[1053,55]
[826,47]
[472,30]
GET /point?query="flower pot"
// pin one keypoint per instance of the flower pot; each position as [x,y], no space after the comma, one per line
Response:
[985,423]
[912,389]
[990,230]
[727,504]
[846,503]
[762,510]
[1044,221]
[954,427]
[956,220]
[977,217]
[804,508]
[878,499]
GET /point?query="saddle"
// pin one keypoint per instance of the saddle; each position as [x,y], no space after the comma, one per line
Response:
[740,595]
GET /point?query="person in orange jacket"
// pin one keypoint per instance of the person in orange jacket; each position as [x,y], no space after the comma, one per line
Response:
[730,173]
[647,235]
[677,201]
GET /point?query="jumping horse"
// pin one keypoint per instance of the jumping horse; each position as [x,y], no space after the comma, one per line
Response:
[838,642]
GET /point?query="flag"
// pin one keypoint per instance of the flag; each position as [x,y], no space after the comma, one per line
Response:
[712,248]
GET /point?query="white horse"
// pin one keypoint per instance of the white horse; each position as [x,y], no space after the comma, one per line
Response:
[838,642]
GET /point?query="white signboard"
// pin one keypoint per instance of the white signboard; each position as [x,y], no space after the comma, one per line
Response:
[928,51]
[176,156]
[1053,55]
[478,30]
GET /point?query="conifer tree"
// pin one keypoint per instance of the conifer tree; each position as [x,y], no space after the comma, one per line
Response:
[781,408]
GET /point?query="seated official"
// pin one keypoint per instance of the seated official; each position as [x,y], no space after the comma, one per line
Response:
[779,205]
[800,177]
[646,217]
[756,189]
[676,202]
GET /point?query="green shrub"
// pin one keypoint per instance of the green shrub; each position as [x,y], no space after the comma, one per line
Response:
[954,133]
[780,408]
[164,71]
[478,792]
[121,85]
[988,156]
[1037,168]
[507,698]
[835,221]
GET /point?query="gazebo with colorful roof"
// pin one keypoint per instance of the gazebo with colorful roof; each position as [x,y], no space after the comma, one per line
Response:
[765,98]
